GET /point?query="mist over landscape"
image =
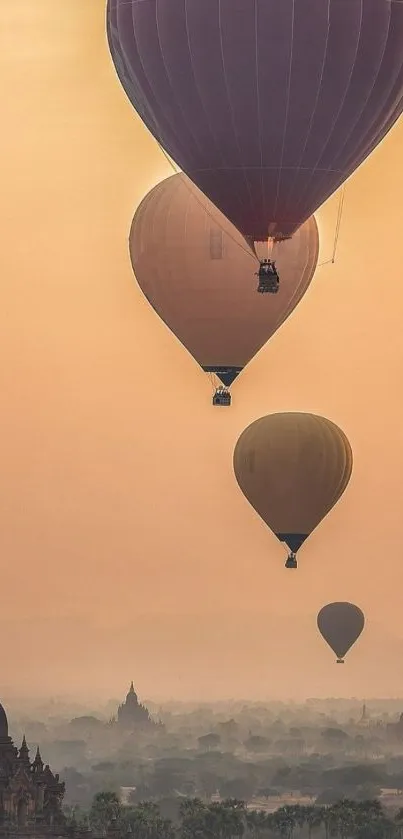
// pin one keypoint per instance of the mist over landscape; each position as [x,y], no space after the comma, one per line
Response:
[268,754]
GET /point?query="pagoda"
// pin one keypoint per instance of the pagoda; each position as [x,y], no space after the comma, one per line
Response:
[132,714]
[364,721]
[31,796]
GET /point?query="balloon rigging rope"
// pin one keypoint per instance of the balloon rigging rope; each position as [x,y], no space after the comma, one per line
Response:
[226,233]
[212,382]
[337,231]
[338,222]
[248,252]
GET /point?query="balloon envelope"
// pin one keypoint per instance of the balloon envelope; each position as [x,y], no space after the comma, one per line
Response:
[269,105]
[195,270]
[293,468]
[340,624]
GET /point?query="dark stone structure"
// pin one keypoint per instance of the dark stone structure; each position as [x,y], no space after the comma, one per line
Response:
[31,795]
[132,714]
[394,730]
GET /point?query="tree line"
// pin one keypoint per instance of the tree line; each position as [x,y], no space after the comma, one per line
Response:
[231,819]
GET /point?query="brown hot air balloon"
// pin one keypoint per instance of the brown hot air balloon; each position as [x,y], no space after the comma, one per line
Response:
[197,273]
[293,468]
[340,624]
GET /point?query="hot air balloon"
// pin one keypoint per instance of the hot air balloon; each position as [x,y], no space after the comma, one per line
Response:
[268,106]
[340,624]
[194,269]
[292,468]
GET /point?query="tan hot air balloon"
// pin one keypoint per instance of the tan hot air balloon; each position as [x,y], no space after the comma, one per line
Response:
[340,624]
[198,273]
[293,468]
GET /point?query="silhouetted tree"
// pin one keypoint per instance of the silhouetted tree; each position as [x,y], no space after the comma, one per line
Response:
[209,741]
[242,787]
[255,743]
[230,819]
[336,736]
[106,809]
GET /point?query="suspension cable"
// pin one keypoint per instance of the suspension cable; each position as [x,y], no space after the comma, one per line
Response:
[248,252]
[337,229]
[226,232]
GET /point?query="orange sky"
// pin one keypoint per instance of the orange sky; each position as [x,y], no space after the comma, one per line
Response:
[127,549]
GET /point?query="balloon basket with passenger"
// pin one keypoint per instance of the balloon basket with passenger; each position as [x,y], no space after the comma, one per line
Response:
[291,561]
[269,280]
[222,396]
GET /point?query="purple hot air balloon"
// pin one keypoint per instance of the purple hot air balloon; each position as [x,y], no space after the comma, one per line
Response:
[267,105]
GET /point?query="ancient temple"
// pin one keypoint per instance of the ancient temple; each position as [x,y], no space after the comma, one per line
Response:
[132,714]
[394,730]
[364,721]
[31,795]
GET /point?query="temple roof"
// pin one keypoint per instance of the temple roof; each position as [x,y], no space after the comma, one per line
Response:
[132,712]
[132,695]
[3,723]
[38,762]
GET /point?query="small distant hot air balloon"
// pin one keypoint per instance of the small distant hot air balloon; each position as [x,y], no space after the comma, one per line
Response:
[267,105]
[194,269]
[293,468]
[340,624]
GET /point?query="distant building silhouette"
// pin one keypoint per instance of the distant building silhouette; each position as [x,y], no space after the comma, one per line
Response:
[394,730]
[30,795]
[364,721]
[132,714]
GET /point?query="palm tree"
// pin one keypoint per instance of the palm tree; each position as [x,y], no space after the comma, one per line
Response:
[284,822]
[342,819]
[196,820]
[313,817]
[380,828]
[137,823]
[372,808]
[190,807]
[226,820]
[256,822]
[299,814]
[145,822]
[399,822]
[106,810]
[234,804]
